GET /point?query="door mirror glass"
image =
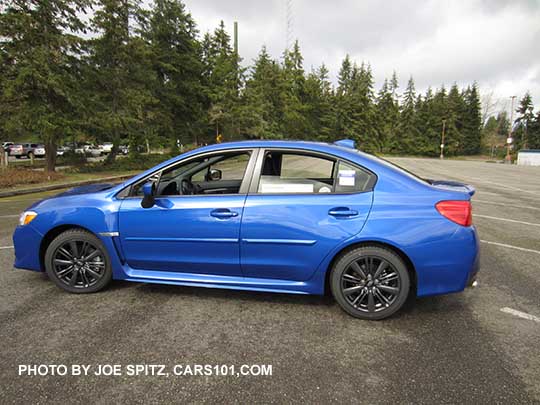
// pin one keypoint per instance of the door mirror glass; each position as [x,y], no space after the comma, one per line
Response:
[214,175]
[149,192]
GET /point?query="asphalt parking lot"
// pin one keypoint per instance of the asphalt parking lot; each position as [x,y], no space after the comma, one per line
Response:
[480,346]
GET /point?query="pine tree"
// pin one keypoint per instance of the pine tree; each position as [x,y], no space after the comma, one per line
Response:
[176,61]
[295,123]
[39,43]
[121,74]
[318,101]
[223,78]
[524,120]
[363,109]
[262,110]
[387,138]
[534,133]
[472,121]
[408,132]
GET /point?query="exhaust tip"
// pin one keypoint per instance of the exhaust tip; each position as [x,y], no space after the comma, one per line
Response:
[474,284]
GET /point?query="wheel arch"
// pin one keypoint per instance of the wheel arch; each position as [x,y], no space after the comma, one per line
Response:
[51,235]
[408,262]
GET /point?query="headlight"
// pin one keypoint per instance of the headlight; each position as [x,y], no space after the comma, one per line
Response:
[27,217]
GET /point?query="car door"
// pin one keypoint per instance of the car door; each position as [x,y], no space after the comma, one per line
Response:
[196,232]
[301,205]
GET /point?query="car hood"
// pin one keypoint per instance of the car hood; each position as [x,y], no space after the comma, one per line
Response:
[453,185]
[90,188]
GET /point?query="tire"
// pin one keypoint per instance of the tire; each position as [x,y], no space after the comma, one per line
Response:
[370,282]
[80,254]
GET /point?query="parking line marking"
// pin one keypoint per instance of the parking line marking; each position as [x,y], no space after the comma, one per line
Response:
[506,219]
[6,247]
[9,216]
[510,246]
[534,192]
[520,314]
[506,205]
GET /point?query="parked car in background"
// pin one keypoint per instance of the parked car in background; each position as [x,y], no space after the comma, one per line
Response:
[6,146]
[275,216]
[123,149]
[106,147]
[93,151]
[28,150]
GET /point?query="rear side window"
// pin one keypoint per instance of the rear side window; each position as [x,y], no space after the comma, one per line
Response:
[295,173]
[352,179]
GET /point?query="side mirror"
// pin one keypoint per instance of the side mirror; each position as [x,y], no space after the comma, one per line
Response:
[149,192]
[214,175]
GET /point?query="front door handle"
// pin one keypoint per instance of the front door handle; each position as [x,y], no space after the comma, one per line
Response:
[223,213]
[342,212]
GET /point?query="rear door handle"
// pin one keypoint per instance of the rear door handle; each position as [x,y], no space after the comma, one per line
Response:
[342,212]
[223,213]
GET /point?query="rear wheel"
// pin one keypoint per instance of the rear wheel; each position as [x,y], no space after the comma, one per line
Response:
[77,261]
[370,282]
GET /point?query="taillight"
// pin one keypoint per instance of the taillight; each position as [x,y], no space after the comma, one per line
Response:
[459,211]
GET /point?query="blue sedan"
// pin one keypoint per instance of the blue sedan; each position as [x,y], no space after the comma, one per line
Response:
[279,216]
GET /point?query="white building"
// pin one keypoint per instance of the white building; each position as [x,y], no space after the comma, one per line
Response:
[529,157]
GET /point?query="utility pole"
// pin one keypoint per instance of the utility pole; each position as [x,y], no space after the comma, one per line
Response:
[508,158]
[288,23]
[442,138]
[236,38]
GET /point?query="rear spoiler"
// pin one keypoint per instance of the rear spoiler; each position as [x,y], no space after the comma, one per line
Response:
[453,185]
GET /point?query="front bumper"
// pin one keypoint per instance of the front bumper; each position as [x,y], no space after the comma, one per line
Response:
[27,242]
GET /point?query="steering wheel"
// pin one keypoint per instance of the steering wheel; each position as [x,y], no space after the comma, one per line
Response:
[187,187]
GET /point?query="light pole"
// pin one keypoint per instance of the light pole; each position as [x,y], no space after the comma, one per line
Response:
[442,138]
[508,158]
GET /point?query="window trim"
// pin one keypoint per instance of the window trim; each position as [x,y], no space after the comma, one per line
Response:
[254,186]
[126,192]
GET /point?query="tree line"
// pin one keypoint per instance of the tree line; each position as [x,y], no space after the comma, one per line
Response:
[113,70]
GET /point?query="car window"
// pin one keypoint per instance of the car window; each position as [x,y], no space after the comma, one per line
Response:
[231,168]
[214,174]
[352,179]
[284,172]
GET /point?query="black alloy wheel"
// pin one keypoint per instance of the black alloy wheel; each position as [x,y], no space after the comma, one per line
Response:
[78,262]
[370,282]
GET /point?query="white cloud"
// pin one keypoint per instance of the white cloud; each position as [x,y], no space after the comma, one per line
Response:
[494,43]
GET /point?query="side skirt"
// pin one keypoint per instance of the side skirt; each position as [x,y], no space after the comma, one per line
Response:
[227,282]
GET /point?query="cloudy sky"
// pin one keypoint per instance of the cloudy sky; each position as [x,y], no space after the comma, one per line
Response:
[493,42]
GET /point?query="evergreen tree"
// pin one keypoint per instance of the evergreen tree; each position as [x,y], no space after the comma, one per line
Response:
[319,107]
[408,133]
[385,117]
[223,78]
[176,61]
[534,133]
[262,110]
[40,46]
[121,74]
[472,122]
[524,120]
[295,123]
[363,108]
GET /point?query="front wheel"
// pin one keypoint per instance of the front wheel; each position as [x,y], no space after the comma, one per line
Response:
[370,282]
[77,261]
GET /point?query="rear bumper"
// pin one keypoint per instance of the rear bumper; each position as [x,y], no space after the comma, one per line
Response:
[450,266]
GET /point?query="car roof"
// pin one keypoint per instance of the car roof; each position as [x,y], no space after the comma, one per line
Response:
[344,152]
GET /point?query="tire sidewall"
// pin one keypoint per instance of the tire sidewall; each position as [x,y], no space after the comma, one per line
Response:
[343,263]
[78,235]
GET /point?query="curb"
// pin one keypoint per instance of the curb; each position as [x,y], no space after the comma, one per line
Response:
[114,179]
